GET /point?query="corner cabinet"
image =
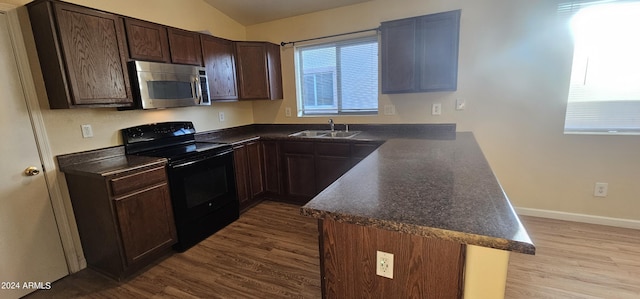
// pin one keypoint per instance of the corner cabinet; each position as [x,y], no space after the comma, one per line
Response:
[125,220]
[82,54]
[420,54]
[259,71]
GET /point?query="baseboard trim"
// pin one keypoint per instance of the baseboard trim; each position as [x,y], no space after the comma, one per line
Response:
[617,222]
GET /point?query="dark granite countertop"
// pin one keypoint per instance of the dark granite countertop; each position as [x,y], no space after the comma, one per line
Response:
[105,162]
[432,188]
[368,132]
[424,180]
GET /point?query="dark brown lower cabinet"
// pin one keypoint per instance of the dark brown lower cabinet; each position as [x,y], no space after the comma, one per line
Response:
[332,161]
[308,167]
[299,171]
[272,168]
[249,173]
[422,267]
[125,220]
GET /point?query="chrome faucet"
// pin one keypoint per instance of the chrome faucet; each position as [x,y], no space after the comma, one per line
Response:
[331,124]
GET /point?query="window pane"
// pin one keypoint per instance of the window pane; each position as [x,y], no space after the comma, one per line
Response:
[338,77]
[604,94]
[359,70]
[325,89]
[308,89]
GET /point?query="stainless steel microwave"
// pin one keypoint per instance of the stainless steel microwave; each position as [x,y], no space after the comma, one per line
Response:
[163,85]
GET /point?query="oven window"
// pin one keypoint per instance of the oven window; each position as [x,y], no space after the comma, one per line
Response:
[167,90]
[205,186]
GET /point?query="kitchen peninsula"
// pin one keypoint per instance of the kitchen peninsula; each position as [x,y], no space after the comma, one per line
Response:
[426,195]
[436,205]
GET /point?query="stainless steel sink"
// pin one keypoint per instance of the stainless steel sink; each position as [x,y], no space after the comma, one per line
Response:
[325,134]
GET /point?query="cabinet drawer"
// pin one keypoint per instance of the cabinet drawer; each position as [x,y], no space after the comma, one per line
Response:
[125,184]
[332,149]
[298,147]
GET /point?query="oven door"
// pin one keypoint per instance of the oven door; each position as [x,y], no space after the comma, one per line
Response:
[202,186]
[203,194]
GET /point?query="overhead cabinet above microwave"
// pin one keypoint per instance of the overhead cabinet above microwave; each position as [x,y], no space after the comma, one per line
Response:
[420,54]
[84,52]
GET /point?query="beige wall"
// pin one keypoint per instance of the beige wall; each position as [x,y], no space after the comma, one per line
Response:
[515,58]
[63,125]
[514,67]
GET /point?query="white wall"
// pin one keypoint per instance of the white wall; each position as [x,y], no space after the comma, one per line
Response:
[514,68]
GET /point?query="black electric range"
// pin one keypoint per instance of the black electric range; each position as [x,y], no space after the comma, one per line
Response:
[201,177]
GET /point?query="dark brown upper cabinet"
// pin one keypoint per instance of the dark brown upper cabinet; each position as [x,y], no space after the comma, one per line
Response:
[82,54]
[147,41]
[220,63]
[420,54]
[259,71]
[184,46]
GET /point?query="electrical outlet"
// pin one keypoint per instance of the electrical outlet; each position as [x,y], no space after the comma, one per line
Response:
[460,104]
[436,109]
[87,131]
[601,190]
[287,112]
[221,116]
[384,264]
[389,110]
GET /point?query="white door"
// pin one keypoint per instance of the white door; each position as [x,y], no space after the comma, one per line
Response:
[31,254]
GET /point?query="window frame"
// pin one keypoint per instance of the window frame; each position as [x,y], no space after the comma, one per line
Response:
[299,77]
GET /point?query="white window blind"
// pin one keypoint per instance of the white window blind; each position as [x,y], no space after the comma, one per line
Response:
[338,77]
[604,91]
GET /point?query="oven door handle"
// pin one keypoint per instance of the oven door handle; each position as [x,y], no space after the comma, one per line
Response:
[187,163]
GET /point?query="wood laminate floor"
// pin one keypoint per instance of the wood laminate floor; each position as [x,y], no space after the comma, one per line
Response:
[272,252]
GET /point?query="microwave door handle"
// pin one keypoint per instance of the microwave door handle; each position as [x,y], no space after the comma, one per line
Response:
[198,89]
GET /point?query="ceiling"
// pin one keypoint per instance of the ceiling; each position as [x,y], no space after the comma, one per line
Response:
[250,12]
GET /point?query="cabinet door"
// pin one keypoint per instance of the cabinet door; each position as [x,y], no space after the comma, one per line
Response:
[299,170]
[146,222]
[300,178]
[219,60]
[398,56]
[147,41]
[253,81]
[241,168]
[184,46]
[332,161]
[275,71]
[93,55]
[254,161]
[272,174]
[438,51]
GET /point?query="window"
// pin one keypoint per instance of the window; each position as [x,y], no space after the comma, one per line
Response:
[604,91]
[338,77]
